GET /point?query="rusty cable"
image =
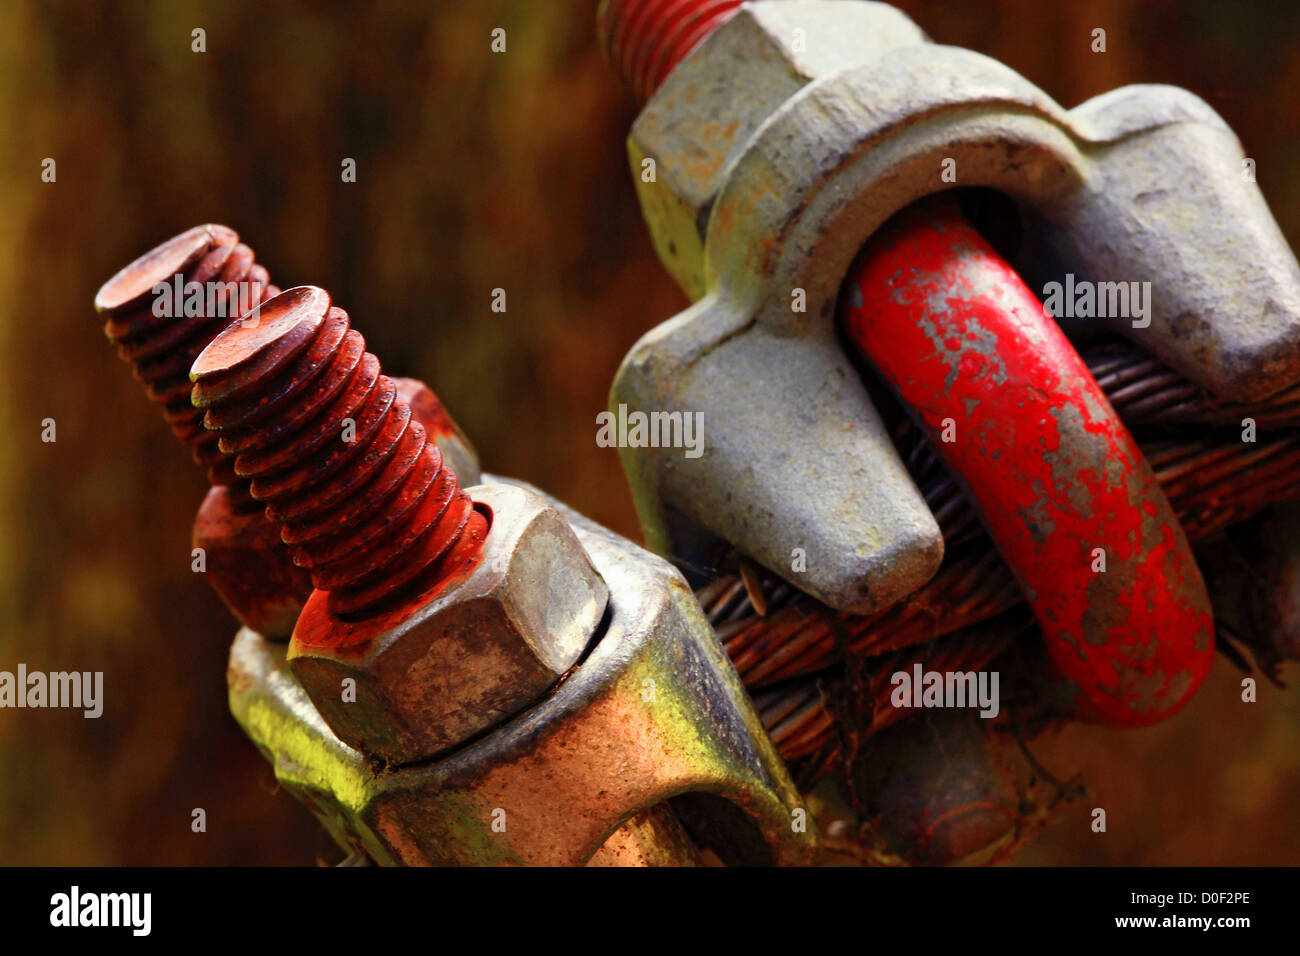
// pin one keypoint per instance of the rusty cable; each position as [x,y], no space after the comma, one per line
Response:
[784,656]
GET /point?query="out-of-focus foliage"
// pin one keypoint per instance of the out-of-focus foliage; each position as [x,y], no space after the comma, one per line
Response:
[475,171]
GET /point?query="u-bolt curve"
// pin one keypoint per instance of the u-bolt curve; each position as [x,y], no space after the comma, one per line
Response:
[1057,479]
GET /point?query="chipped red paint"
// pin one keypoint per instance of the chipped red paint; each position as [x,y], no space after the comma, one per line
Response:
[1050,467]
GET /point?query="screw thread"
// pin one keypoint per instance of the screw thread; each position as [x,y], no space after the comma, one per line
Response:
[645,39]
[160,349]
[364,499]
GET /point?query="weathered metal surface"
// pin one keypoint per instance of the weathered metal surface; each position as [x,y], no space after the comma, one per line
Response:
[707,113]
[652,712]
[336,784]
[652,837]
[779,145]
[449,630]
[796,461]
[847,115]
[456,660]
[1057,479]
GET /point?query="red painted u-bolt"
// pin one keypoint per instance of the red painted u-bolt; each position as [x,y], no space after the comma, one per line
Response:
[1057,478]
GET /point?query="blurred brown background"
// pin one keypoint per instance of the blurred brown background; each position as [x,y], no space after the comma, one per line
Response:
[475,170]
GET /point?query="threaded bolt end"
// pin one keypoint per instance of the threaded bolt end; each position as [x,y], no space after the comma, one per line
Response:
[364,499]
[645,39]
[160,349]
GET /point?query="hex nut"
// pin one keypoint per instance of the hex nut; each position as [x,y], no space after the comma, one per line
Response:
[713,102]
[430,676]
[591,755]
